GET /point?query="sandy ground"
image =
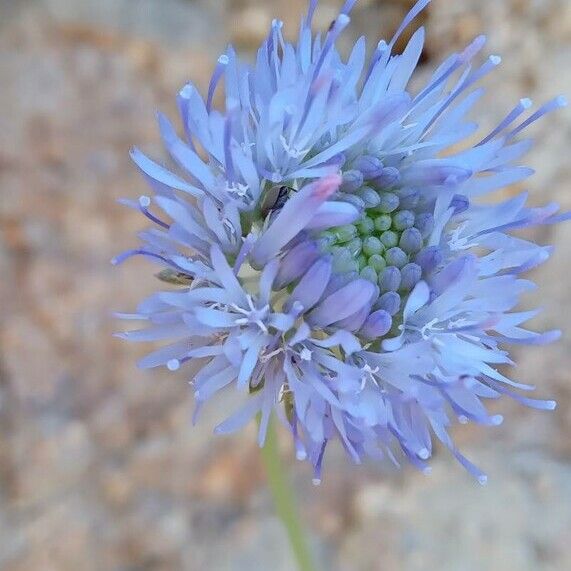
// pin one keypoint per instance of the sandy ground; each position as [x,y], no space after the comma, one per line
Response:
[99,466]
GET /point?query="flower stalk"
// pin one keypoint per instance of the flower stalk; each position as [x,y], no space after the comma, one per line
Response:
[285,501]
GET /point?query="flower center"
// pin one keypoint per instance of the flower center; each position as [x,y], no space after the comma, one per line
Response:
[387,246]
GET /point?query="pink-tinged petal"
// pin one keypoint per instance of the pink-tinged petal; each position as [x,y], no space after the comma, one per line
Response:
[293,217]
[333,213]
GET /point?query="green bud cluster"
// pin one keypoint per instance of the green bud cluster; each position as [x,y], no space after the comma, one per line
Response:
[388,236]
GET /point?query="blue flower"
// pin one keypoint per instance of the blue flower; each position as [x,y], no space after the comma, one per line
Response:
[336,261]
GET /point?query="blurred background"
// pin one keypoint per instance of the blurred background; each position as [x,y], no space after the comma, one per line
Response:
[99,466]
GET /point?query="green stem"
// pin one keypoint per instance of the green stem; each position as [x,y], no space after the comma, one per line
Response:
[284,500]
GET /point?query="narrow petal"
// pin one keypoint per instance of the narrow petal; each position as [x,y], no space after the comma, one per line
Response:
[225,274]
[377,324]
[312,285]
[215,318]
[293,218]
[161,174]
[295,263]
[342,303]
[241,417]
[333,213]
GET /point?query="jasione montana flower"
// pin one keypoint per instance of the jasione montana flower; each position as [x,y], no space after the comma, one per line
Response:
[337,262]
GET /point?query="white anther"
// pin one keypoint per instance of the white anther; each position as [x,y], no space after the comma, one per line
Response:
[229,225]
[251,315]
[428,329]
[291,150]
[237,188]
[266,357]
[456,242]
[367,374]
[305,354]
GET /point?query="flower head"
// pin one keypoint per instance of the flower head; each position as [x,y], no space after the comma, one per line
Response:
[340,265]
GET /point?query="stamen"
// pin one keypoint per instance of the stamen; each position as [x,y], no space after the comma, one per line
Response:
[310,13]
[466,81]
[427,329]
[144,203]
[219,70]
[454,64]
[251,315]
[552,105]
[367,374]
[229,163]
[138,252]
[509,119]
[183,103]
[380,50]
[264,358]
[414,12]
[455,242]
[173,364]
[339,24]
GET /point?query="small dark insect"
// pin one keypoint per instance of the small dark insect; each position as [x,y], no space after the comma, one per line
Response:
[275,198]
[174,277]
